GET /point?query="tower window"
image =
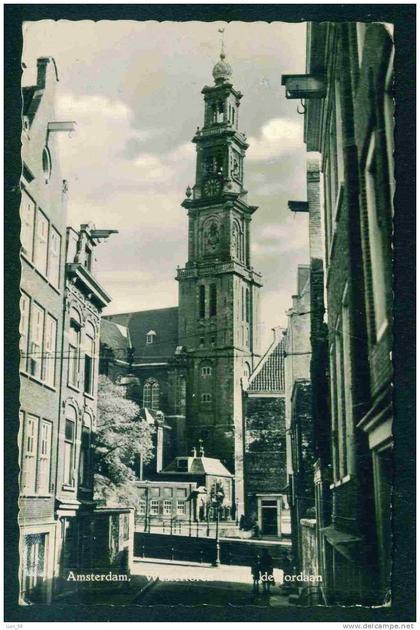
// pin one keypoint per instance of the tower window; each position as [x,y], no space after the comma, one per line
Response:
[213,300]
[150,337]
[248,306]
[213,341]
[202,301]
[206,398]
[201,342]
[206,370]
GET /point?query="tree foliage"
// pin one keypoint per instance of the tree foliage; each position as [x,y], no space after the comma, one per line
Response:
[121,436]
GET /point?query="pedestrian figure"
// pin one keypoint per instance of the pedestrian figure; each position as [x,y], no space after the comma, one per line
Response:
[266,571]
[255,572]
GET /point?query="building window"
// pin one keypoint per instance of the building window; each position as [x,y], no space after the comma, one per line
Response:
[85,459]
[36,339]
[28,478]
[46,164]
[74,349]
[341,396]
[27,217]
[202,301]
[206,370]
[69,438]
[201,342]
[89,358]
[182,463]
[167,507]
[142,508]
[375,242]
[181,493]
[180,508]
[41,242]
[248,306]
[206,398]
[25,304]
[154,507]
[54,251]
[151,394]
[48,365]
[44,457]
[150,337]
[213,300]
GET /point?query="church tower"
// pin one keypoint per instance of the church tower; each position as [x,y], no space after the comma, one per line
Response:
[218,288]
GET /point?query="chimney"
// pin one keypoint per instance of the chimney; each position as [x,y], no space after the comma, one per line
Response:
[303,276]
[194,452]
[201,448]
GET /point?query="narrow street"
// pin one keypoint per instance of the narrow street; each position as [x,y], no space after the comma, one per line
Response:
[188,584]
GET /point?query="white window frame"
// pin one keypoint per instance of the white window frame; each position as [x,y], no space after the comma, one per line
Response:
[25,310]
[41,242]
[154,507]
[36,340]
[69,449]
[44,466]
[181,508]
[167,507]
[49,354]
[206,370]
[27,216]
[54,257]
[29,454]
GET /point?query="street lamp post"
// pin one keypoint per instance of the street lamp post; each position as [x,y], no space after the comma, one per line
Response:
[217,498]
[217,560]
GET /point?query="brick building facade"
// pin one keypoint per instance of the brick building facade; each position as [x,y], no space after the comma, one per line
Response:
[265,443]
[61,304]
[349,121]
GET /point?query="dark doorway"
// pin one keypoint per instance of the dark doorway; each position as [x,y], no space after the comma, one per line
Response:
[269,521]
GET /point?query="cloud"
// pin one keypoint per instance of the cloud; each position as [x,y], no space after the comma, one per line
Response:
[277,137]
[280,238]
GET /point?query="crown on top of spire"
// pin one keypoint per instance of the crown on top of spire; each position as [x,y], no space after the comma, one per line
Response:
[222,71]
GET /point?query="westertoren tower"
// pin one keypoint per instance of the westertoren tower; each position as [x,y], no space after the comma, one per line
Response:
[218,288]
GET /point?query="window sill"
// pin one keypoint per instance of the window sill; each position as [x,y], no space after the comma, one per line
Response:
[65,486]
[88,395]
[341,482]
[35,379]
[42,275]
[73,387]
[34,495]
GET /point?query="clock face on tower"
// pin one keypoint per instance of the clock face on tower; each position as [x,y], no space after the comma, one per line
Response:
[212,187]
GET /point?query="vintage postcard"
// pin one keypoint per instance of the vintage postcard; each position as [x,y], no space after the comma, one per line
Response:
[206,315]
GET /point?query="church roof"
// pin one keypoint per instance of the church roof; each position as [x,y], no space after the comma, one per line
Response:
[268,376]
[163,321]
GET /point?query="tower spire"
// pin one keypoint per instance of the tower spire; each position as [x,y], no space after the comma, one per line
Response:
[222,42]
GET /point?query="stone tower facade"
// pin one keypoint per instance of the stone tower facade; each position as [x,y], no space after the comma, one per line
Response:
[218,288]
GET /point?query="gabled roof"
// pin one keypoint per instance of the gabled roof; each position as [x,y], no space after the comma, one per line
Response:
[116,337]
[268,376]
[164,321]
[199,466]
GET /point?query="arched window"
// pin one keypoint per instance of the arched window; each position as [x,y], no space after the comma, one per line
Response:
[151,394]
[69,445]
[89,357]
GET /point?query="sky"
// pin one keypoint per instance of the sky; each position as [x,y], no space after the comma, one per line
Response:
[134,89]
